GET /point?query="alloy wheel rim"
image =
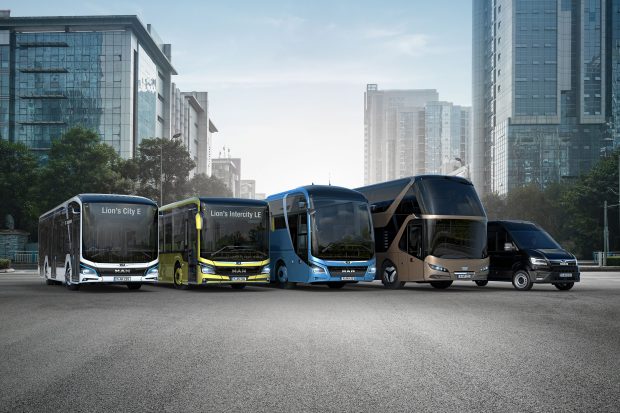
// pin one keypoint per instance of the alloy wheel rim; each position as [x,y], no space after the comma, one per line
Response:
[282,274]
[389,274]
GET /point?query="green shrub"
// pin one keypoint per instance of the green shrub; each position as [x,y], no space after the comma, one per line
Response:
[4,263]
[613,261]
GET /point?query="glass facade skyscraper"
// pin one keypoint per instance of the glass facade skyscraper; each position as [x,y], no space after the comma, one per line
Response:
[541,90]
[107,74]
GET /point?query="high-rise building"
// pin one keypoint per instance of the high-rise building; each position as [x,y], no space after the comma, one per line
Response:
[111,74]
[447,137]
[411,132]
[247,189]
[228,170]
[393,125]
[542,88]
[192,124]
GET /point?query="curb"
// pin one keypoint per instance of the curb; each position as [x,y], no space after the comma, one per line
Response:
[7,270]
[599,269]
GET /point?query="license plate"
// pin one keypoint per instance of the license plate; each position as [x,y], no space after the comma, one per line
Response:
[566,275]
[347,278]
[122,278]
[237,278]
[463,276]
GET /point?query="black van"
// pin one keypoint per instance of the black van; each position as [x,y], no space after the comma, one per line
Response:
[522,252]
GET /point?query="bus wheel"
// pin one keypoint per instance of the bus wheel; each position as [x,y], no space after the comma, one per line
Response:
[70,286]
[389,276]
[442,285]
[481,283]
[178,278]
[282,277]
[134,286]
[521,280]
[237,286]
[564,286]
[336,286]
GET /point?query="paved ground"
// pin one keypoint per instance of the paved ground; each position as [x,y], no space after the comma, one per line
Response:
[311,349]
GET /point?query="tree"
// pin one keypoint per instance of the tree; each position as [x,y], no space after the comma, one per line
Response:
[18,172]
[203,185]
[175,163]
[80,163]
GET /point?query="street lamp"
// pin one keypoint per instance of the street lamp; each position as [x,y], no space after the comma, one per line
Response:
[161,168]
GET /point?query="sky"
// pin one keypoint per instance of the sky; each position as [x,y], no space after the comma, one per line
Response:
[286,79]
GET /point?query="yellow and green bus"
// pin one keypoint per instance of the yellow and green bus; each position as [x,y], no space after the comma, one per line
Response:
[205,241]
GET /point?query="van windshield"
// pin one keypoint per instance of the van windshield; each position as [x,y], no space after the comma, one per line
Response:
[534,239]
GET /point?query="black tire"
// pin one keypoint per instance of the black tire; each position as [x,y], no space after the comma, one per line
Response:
[389,276]
[441,285]
[563,286]
[237,286]
[49,282]
[481,283]
[70,286]
[177,278]
[134,286]
[282,277]
[336,286]
[522,281]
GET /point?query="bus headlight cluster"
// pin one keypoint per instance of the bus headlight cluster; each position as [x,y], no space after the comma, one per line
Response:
[265,270]
[484,269]
[87,271]
[152,272]
[372,269]
[437,268]
[207,269]
[538,261]
[317,270]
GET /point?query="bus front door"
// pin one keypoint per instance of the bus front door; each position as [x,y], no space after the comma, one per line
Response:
[411,252]
[74,243]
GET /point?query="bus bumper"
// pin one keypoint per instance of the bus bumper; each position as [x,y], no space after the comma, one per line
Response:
[109,279]
[207,279]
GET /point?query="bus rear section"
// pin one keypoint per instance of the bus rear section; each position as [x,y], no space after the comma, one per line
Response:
[210,241]
[321,235]
[428,229]
[99,239]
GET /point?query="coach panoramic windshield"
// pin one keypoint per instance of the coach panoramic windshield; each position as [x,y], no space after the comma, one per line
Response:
[119,233]
[445,196]
[341,230]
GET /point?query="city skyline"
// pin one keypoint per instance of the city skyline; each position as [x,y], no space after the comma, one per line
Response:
[278,70]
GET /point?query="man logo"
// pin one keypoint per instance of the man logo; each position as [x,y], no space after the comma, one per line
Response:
[239,271]
[122,270]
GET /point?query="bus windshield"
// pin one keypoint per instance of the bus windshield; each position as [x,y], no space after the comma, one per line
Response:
[456,238]
[341,230]
[534,239]
[235,233]
[119,233]
[444,196]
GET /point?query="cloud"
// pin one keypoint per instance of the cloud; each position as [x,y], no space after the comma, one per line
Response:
[284,22]
[381,33]
[410,44]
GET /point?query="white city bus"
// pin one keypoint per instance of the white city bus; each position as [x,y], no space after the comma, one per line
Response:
[97,238]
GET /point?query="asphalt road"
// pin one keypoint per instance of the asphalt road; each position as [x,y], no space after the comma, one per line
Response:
[361,348]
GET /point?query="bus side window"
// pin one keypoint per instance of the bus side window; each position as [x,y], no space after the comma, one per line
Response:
[302,234]
[411,240]
[168,232]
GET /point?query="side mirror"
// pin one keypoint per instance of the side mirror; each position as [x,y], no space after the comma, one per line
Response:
[198,221]
[301,205]
[75,211]
[508,246]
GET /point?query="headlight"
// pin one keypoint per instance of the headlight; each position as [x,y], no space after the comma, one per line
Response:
[317,270]
[538,261]
[265,270]
[152,272]
[437,268]
[483,269]
[87,271]
[207,269]
[372,269]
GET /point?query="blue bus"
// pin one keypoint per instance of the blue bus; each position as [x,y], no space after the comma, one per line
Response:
[321,235]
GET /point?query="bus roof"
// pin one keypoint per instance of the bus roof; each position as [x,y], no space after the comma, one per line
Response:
[215,201]
[322,191]
[129,199]
[412,179]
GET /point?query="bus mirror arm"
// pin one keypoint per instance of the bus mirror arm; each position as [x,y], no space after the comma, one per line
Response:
[198,221]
